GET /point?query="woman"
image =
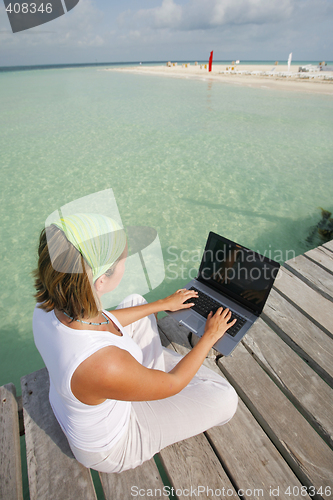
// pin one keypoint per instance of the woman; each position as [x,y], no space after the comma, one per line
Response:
[117,394]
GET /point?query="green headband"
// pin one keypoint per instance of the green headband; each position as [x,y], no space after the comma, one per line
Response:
[99,239]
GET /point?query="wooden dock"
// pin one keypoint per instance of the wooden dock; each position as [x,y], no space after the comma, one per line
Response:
[277,446]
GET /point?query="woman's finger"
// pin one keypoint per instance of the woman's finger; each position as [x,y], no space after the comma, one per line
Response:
[187,305]
[225,312]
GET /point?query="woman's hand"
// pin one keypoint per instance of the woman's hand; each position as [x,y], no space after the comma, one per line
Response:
[217,324]
[175,302]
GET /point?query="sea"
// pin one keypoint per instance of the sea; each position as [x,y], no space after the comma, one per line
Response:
[181,156]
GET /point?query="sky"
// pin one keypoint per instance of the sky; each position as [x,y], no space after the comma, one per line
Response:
[177,30]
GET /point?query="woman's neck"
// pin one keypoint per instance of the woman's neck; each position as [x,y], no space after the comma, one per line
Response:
[82,322]
[104,323]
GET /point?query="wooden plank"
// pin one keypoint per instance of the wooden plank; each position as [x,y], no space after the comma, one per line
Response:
[329,245]
[321,256]
[10,456]
[314,276]
[314,305]
[251,459]
[53,472]
[309,341]
[183,461]
[194,470]
[307,391]
[142,482]
[253,464]
[306,453]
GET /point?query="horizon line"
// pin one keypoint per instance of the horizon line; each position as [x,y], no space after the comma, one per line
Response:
[54,65]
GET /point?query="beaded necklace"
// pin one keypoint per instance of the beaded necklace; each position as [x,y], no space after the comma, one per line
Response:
[90,322]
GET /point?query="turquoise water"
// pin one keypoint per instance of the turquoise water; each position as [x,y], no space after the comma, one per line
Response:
[182,156]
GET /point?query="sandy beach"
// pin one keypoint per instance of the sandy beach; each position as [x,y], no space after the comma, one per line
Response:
[262,76]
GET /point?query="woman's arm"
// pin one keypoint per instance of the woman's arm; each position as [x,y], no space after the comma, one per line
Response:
[112,373]
[174,302]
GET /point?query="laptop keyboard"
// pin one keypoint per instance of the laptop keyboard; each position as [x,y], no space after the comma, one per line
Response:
[203,304]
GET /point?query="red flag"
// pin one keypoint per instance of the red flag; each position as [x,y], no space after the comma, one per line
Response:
[210,61]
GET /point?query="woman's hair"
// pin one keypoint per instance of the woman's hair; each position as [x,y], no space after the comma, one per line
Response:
[63,279]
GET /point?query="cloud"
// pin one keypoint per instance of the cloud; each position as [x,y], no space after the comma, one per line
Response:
[76,28]
[241,29]
[167,14]
[208,14]
[250,11]
[98,30]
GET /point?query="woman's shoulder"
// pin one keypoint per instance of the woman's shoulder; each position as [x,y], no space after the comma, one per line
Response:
[40,313]
[114,321]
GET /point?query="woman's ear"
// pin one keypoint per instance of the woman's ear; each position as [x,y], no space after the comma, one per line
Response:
[99,283]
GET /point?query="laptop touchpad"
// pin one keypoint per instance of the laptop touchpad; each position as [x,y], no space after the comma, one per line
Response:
[197,324]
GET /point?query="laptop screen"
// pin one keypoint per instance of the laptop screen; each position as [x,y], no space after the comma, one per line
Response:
[236,271]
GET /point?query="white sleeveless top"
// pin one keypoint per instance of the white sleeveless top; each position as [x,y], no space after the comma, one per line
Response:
[88,427]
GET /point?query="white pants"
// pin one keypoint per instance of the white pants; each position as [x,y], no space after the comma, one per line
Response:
[208,400]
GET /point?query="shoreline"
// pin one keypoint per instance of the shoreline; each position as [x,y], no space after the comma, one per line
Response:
[256,76]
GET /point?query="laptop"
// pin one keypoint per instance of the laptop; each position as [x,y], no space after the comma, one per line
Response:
[233,276]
